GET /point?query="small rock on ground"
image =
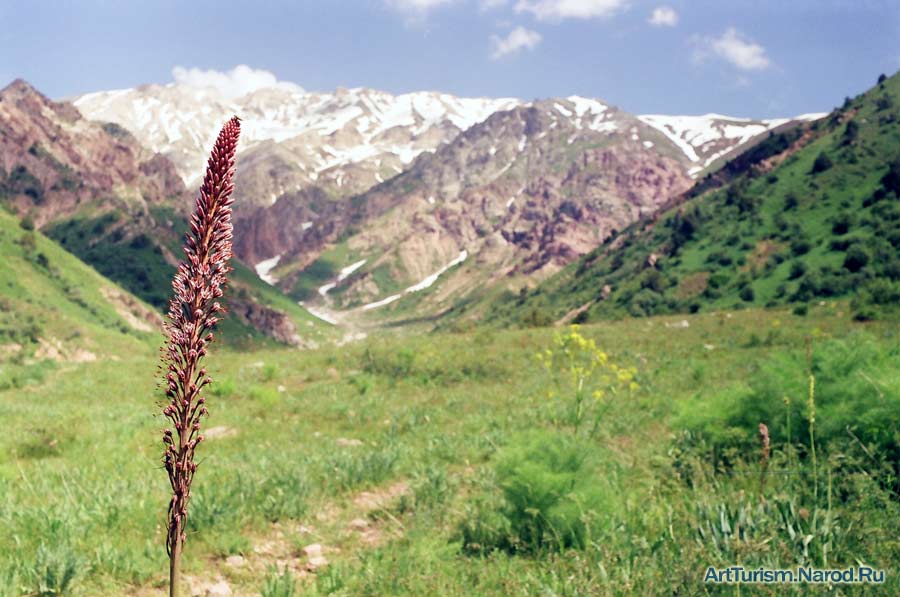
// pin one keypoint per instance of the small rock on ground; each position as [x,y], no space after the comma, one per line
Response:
[316,562]
[219,431]
[220,589]
[679,324]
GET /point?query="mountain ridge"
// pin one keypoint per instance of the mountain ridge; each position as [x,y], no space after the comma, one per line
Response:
[321,170]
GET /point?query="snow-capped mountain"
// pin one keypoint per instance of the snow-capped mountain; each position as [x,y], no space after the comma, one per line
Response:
[704,139]
[348,140]
[517,196]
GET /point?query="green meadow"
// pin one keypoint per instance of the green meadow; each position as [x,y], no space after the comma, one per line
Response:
[462,464]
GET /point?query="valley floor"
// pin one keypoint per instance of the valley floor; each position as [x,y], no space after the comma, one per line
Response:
[389,466]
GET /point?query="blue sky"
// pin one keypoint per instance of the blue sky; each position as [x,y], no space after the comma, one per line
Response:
[759,58]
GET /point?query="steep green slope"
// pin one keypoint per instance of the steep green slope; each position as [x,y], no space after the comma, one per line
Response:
[811,216]
[141,259]
[53,307]
[120,208]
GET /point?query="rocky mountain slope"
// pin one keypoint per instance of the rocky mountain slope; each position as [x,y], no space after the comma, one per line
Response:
[806,215]
[509,201]
[522,193]
[54,162]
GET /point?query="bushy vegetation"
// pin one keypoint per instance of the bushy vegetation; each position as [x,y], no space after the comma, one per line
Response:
[552,497]
[856,401]
[134,261]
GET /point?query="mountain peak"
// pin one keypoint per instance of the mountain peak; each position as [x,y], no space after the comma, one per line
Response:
[20,88]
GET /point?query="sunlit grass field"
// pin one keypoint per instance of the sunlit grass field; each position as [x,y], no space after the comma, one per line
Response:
[395,454]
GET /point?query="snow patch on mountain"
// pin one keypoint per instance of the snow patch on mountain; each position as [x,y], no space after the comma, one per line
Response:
[382,302]
[427,282]
[345,272]
[319,314]
[264,268]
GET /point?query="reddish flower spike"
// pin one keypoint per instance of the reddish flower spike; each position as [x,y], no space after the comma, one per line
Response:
[197,285]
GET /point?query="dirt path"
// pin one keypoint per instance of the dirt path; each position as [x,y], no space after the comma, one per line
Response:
[361,521]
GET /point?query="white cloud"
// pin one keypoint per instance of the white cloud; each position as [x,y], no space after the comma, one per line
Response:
[555,10]
[239,81]
[486,5]
[735,48]
[415,8]
[517,40]
[664,16]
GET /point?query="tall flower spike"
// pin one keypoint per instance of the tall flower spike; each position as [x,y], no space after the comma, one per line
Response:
[197,286]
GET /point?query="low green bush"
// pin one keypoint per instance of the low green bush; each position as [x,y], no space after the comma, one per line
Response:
[857,396]
[552,495]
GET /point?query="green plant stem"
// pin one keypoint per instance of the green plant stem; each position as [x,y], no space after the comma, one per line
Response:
[175,569]
[812,447]
[579,399]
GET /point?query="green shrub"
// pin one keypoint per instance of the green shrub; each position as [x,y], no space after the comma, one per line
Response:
[822,163]
[536,318]
[885,102]
[791,201]
[883,292]
[553,496]
[798,269]
[857,391]
[718,280]
[891,180]
[800,245]
[842,223]
[856,259]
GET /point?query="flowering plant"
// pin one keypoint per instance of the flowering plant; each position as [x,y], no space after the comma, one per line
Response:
[584,373]
[193,311]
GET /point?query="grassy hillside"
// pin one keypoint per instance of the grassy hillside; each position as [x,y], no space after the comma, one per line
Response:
[423,466]
[136,261]
[140,257]
[54,308]
[808,215]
